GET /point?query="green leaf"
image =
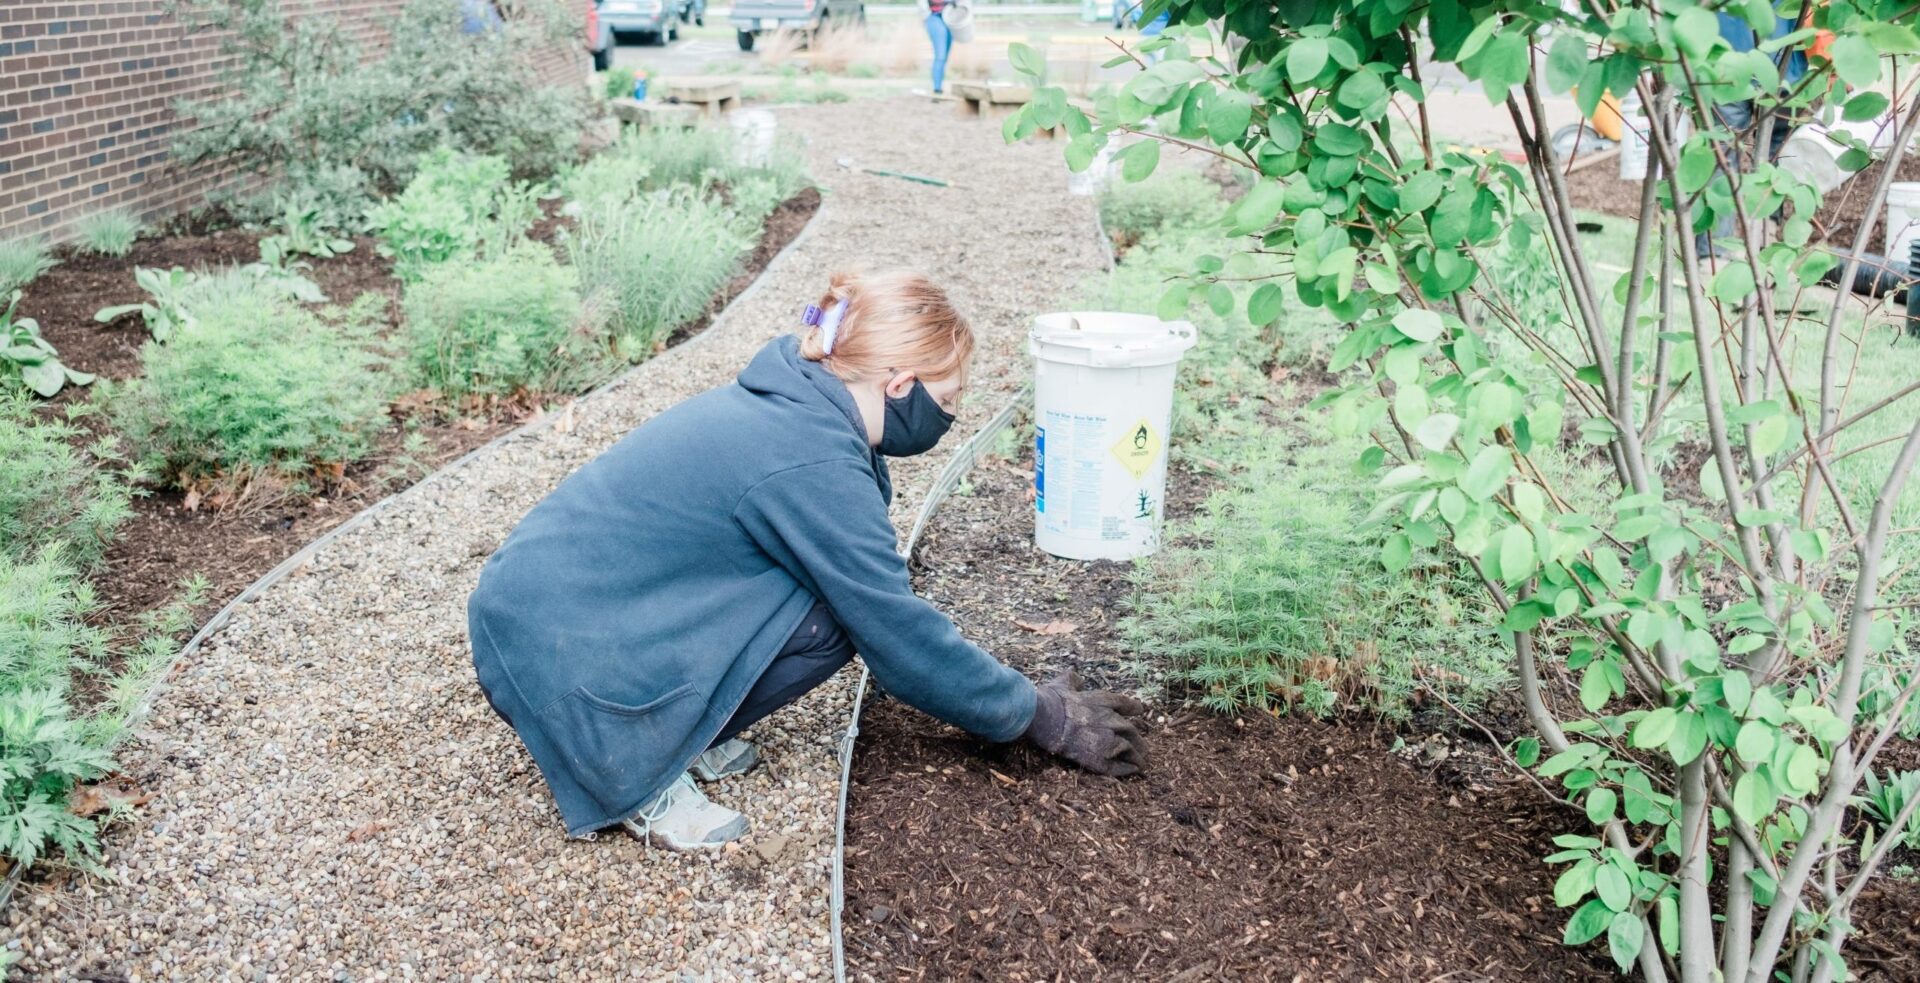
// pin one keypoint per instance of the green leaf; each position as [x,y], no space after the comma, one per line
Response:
[1600,803]
[1753,797]
[1587,923]
[1696,166]
[1258,209]
[1567,59]
[1265,305]
[1611,884]
[1689,738]
[1803,770]
[1669,907]
[1220,299]
[1396,553]
[1574,883]
[1488,472]
[1733,284]
[1865,106]
[1138,160]
[1770,435]
[1305,58]
[1655,728]
[1418,324]
[1025,60]
[1229,112]
[1595,687]
[1626,933]
[1696,30]
[1517,556]
[1436,430]
[1855,60]
[1361,90]
[1736,689]
[1526,751]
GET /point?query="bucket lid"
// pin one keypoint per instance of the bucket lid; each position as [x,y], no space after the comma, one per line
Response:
[1109,339]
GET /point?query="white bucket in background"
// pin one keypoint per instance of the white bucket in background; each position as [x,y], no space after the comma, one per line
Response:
[1098,174]
[1811,152]
[1903,220]
[755,129]
[1102,401]
[1634,148]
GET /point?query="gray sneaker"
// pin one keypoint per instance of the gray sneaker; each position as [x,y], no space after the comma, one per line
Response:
[683,818]
[725,760]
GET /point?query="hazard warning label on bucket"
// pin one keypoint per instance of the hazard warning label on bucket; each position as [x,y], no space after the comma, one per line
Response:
[1137,448]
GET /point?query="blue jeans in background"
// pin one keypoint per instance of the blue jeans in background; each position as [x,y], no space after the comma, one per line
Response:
[942,38]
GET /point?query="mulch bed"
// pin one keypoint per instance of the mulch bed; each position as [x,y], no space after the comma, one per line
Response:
[165,542]
[1253,848]
[1599,188]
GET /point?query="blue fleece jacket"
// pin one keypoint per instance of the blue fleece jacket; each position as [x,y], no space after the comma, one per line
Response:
[623,621]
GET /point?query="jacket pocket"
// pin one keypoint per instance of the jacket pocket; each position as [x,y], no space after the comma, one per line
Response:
[616,752]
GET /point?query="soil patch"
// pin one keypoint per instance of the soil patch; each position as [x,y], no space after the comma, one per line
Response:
[1253,848]
[1599,188]
[165,542]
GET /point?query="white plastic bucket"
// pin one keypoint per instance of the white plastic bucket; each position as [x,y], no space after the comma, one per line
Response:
[1102,402]
[1811,152]
[755,129]
[1903,219]
[1634,148]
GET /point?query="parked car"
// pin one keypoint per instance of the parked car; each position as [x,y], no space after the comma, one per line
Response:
[752,18]
[600,41]
[657,21]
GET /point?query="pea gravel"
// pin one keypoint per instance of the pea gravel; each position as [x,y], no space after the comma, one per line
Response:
[336,800]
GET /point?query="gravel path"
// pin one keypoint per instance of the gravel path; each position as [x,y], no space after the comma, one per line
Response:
[336,801]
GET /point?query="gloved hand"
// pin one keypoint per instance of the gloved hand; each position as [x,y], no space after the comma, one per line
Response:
[1088,727]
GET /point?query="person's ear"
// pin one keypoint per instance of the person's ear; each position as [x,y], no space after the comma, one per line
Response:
[900,385]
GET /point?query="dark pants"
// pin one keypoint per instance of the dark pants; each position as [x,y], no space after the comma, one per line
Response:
[817,650]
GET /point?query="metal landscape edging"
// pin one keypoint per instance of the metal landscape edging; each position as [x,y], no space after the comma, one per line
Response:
[956,469]
[305,554]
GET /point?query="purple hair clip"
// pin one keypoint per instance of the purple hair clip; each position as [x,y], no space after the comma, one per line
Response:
[828,322]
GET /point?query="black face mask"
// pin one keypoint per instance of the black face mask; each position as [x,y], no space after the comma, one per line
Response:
[913,424]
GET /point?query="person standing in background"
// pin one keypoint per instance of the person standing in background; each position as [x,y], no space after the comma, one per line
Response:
[932,12]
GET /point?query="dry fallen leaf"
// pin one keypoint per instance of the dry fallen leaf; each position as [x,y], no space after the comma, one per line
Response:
[365,830]
[192,502]
[1001,778]
[91,800]
[1050,628]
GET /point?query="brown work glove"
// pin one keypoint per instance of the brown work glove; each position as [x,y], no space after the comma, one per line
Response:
[1088,727]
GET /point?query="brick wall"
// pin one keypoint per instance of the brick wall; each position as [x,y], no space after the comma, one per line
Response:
[86,107]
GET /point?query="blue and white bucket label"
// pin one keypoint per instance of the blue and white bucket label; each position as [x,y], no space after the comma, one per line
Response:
[1039,469]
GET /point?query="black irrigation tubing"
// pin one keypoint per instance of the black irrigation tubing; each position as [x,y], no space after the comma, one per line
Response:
[956,469]
[306,553]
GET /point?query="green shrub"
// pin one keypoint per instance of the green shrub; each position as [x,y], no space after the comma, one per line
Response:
[256,395]
[705,156]
[1172,197]
[51,494]
[1278,600]
[656,263]
[21,262]
[46,748]
[1883,802]
[503,325]
[27,358]
[298,97]
[109,233]
[456,202]
[618,82]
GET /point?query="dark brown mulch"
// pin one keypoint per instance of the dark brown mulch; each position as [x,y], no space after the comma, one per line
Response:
[1254,848]
[165,542]
[1599,188]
